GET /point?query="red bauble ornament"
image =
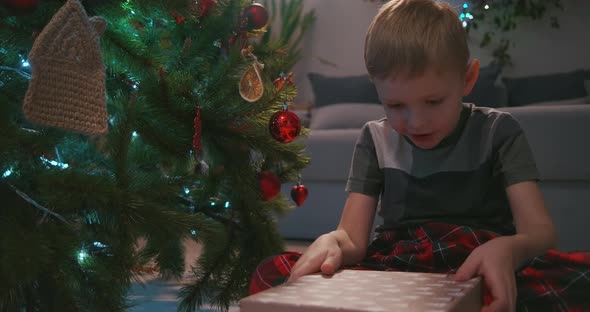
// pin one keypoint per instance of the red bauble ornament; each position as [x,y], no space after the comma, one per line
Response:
[270,185]
[284,126]
[255,16]
[20,6]
[299,193]
[205,7]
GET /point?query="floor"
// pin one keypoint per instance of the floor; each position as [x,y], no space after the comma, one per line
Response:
[156,295]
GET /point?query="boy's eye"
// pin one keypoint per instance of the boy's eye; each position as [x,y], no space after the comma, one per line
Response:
[434,102]
[394,106]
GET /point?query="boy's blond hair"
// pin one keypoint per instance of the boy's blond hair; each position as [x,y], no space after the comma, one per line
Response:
[407,36]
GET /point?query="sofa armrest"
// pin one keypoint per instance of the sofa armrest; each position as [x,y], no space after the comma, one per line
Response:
[331,154]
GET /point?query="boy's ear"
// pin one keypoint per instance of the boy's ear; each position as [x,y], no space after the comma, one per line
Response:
[471,76]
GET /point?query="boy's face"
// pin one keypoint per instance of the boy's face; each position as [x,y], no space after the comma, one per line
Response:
[426,109]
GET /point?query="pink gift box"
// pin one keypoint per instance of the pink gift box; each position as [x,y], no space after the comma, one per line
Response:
[364,291]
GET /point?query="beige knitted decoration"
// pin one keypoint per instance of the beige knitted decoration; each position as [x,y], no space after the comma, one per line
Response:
[67,87]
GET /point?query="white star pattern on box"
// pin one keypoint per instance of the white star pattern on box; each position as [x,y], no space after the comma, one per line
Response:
[357,290]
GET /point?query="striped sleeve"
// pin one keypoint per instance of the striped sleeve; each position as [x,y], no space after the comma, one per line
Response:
[514,159]
[365,176]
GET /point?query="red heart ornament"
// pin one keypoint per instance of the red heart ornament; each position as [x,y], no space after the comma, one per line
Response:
[299,193]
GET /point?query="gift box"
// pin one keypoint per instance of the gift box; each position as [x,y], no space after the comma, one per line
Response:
[361,290]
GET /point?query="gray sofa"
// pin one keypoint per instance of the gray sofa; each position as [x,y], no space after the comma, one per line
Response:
[558,135]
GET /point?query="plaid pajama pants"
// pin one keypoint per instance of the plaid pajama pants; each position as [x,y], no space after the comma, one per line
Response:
[555,281]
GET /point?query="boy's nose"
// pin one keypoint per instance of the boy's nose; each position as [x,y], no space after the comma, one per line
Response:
[416,122]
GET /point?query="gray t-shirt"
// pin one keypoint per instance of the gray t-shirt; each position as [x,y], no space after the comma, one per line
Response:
[462,180]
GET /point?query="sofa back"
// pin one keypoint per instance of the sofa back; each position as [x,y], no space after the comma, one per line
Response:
[558,136]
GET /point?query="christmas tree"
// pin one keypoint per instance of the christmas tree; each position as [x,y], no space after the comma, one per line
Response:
[128,127]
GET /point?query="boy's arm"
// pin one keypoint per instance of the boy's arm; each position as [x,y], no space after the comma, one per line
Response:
[498,259]
[516,164]
[535,232]
[346,245]
[355,227]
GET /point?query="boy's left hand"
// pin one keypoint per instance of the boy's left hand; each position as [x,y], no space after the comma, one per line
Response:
[494,262]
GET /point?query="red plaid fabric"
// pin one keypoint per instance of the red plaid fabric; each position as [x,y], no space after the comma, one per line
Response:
[553,282]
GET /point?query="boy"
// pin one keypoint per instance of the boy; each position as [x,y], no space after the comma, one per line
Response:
[441,168]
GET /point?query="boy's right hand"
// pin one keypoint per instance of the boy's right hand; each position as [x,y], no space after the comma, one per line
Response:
[324,255]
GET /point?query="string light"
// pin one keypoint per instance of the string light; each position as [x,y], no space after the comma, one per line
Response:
[54,163]
[7,173]
[99,245]
[82,256]
[465,15]
[214,202]
[24,62]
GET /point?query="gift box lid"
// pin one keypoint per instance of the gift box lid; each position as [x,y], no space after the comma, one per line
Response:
[361,290]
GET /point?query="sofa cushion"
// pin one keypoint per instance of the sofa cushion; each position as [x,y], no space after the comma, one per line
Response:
[486,92]
[349,89]
[329,90]
[554,87]
[557,136]
[344,115]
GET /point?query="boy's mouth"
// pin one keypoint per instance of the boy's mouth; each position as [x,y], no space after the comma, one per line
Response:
[424,137]
[421,135]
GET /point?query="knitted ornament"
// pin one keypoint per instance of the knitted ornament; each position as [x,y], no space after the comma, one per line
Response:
[67,87]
